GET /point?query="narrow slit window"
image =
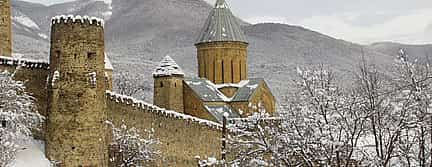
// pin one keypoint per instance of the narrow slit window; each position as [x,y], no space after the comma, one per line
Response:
[232,71]
[223,72]
[241,71]
[3,123]
[91,55]
[57,56]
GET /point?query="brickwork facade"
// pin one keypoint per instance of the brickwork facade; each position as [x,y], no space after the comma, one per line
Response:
[5,29]
[168,92]
[222,62]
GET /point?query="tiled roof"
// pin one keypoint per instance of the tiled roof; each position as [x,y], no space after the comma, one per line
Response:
[206,91]
[218,111]
[209,92]
[221,25]
[245,92]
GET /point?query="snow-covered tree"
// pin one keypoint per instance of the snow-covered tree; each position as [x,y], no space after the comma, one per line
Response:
[321,125]
[131,84]
[324,122]
[18,117]
[413,81]
[380,120]
[131,148]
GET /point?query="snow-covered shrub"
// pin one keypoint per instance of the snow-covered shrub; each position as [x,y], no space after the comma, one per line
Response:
[18,117]
[132,149]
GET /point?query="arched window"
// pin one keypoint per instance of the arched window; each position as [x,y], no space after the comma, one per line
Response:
[161,84]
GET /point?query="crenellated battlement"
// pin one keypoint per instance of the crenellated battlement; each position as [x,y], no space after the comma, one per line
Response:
[77,19]
[27,63]
[143,106]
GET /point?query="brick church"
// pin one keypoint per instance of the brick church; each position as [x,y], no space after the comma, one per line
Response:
[222,85]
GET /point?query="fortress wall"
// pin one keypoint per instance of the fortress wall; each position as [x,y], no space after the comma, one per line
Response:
[34,73]
[182,137]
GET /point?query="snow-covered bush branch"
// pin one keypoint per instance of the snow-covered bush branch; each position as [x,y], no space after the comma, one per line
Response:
[131,148]
[18,117]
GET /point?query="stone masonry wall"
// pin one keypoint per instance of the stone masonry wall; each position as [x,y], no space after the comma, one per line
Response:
[168,92]
[5,29]
[182,137]
[76,129]
[194,106]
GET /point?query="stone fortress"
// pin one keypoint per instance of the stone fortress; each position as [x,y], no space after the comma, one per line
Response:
[73,92]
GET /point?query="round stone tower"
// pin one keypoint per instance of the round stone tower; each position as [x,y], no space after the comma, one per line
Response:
[5,29]
[222,47]
[76,130]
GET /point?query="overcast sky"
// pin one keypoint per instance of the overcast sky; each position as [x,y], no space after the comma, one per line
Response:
[361,21]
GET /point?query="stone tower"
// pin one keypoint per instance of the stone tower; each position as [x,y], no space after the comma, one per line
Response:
[76,129]
[168,85]
[5,29]
[222,47]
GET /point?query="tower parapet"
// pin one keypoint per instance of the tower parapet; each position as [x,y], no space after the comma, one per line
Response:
[76,133]
[5,29]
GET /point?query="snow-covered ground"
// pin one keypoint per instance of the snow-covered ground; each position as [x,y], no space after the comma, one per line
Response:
[32,155]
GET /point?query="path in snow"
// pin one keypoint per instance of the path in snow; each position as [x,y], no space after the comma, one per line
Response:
[32,156]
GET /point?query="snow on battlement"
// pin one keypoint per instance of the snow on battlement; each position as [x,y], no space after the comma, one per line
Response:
[118,98]
[81,19]
[27,63]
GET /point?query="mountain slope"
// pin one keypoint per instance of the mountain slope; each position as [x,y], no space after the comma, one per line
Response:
[139,33]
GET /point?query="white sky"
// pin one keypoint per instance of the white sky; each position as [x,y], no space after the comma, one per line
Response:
[361,21]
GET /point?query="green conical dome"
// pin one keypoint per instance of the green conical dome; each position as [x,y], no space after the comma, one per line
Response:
[221,25]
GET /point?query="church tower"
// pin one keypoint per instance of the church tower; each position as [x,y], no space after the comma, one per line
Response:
[76,129]
[222,47]
[5,29]
[168,85]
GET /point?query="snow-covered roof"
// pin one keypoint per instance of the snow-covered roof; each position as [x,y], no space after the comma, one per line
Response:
[167,67]
[209,92]
[221,25]
[218,111]
[245,92]
[82,19]
[206,91]
[108,65]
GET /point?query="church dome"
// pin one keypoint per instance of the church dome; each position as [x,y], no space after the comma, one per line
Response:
[221,26]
